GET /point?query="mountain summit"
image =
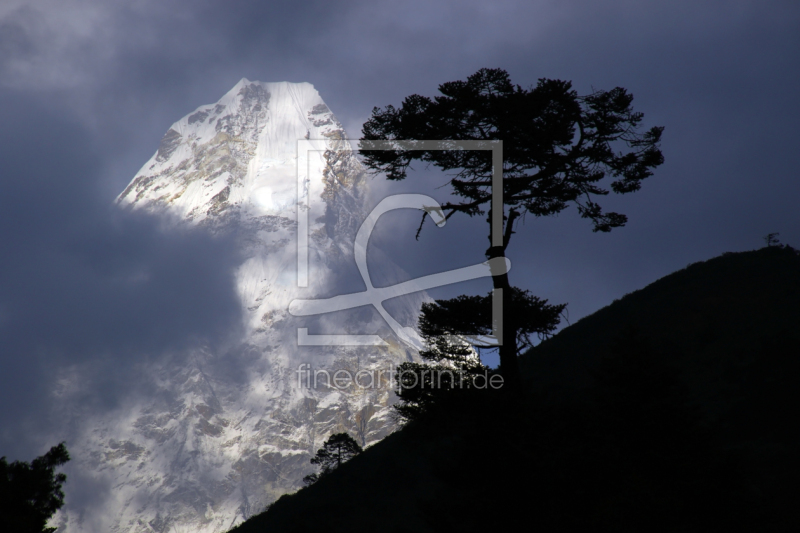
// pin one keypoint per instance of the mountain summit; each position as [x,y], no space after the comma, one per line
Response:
[231,429]
[238,153]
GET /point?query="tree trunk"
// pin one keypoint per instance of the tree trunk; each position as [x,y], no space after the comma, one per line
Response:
[509,366]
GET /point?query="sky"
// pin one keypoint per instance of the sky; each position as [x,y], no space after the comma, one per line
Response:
[89,87]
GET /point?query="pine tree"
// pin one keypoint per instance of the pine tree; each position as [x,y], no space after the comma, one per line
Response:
[337,450]
[450,329]
[30,493]
[558,148]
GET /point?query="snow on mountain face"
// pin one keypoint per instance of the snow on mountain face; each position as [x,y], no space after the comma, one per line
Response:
[213,446]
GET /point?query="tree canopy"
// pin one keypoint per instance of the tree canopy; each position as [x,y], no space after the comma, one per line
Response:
[559,148]
[30,493]
[338,449]
[448,327]
[471,317]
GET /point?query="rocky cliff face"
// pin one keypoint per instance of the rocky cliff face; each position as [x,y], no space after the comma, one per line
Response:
[230,429]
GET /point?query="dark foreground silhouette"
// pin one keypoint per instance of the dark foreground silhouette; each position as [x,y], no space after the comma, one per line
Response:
[30,493]
[673,409]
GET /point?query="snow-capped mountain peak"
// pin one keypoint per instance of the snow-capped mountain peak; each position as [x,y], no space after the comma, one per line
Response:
[209,450]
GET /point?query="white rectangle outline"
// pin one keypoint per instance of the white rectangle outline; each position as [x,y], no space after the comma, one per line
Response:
[305,146]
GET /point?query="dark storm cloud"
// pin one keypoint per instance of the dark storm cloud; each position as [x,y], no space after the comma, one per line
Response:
[720,77]
[14,41]
[96,88]
[84,283]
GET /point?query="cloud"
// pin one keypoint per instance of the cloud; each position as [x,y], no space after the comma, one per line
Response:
[84,284]
[50,44]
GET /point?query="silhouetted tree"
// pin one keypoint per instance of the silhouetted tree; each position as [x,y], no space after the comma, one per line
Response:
[30,493]
[338,449]
[470,317]
[449,329]
[558,147]
[772,239]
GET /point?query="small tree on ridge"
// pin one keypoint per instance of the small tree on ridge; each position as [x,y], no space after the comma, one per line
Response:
[338,449]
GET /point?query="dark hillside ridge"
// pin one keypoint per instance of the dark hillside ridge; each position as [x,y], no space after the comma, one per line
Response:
[364,494]
[714,318]
[672,409]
